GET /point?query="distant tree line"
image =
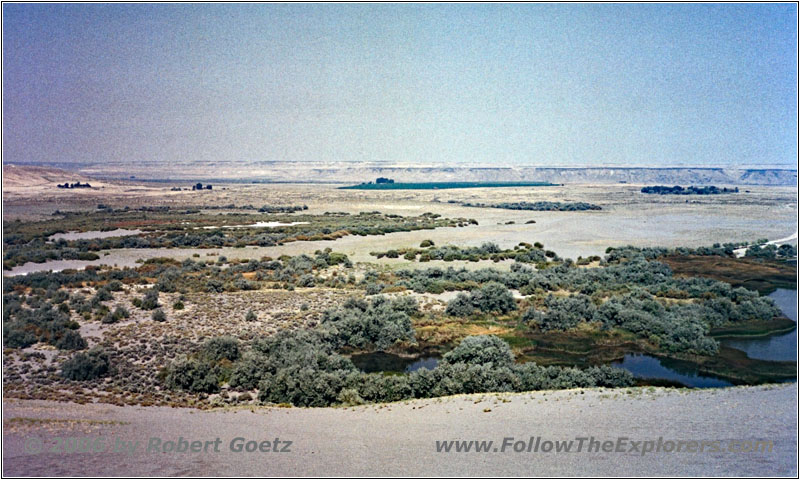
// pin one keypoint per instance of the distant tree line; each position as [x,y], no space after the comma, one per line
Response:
[692,190]
[535,206]
[757,249]
[282,209]
[523,253]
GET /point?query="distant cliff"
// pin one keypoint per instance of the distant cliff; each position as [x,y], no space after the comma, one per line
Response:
[592,175]
[344,172]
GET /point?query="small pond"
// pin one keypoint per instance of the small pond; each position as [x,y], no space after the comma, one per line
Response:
[649,367]
[388,362]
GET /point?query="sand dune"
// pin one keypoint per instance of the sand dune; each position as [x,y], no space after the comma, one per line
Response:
[400,439]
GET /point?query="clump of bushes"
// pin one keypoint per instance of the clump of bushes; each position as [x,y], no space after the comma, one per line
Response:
[22,327]
[481,350]
[149,301]
[192,375]
[88,365]
[220,348]
[492,297]
[204,371]
[302,368]
[538,206]
[378,323]
[561,313]
[71,340]
[119,313]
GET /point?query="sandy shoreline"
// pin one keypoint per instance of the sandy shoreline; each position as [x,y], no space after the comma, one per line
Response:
[399,439]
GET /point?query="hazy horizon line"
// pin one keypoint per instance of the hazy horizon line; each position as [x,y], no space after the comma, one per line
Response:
[394,164]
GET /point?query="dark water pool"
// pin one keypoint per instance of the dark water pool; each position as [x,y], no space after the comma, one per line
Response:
[781,347]
[646,366]
[772,347]
[388,362]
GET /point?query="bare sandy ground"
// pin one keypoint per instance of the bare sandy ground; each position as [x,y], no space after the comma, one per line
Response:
[400,439]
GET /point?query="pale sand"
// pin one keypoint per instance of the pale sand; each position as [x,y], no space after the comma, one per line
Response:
[399,439]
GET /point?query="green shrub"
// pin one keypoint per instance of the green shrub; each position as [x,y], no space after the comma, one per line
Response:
[492,297]
[461,306]
[87,366]
[150,300]
[16,336]
[220,348]
[349,397]
[71,340]
[480,350]
[375,324]
[192,375]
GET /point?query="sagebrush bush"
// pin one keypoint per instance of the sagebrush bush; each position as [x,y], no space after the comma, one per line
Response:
[192,375]
[480,350]
[89,365]
[220,348]
[71,340]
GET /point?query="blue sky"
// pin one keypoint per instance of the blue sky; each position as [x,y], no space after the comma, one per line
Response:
[514,84]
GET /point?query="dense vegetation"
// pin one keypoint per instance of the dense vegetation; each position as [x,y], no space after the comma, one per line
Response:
[209,276]
[33,319]
[186,228]
[628,291]
[535,206]
[282,209]
[771,251]
[633,294]
[377,324]
[87,365]
[491,297]
[757,249]
[678,190]
[304,369]
[522,253]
